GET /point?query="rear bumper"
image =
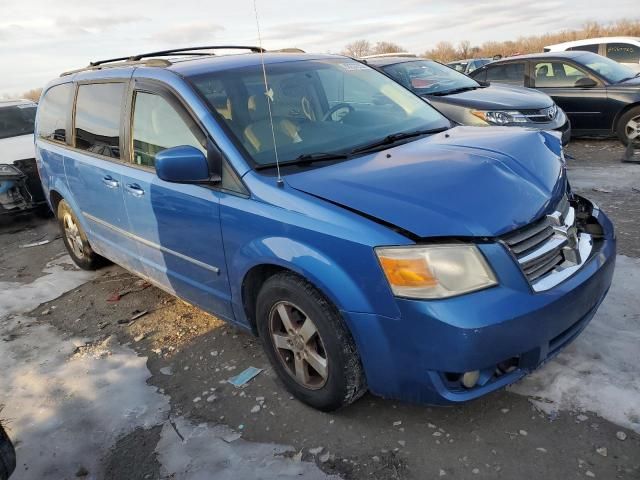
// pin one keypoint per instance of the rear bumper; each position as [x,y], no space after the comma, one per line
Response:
[416,357]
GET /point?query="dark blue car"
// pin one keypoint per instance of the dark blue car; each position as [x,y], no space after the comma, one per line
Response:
[321,205]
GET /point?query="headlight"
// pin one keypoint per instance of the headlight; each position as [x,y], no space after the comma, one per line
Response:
[435,271]
[9,170]
[500,117]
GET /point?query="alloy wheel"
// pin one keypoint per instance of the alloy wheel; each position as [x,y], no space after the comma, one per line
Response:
[72,232]
[298,345]
[632,128]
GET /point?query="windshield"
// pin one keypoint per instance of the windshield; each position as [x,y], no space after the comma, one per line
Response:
[607,68]
[427,77]
[317,106]
[17,120]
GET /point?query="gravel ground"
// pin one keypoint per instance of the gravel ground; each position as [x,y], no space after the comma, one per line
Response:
[191,354]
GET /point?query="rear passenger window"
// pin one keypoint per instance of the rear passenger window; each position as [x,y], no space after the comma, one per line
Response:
[53,112]
[623,52]
[97,123]
[512,73]
[158,126]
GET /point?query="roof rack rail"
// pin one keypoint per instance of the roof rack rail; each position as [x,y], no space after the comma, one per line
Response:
[180,51]
[158,62]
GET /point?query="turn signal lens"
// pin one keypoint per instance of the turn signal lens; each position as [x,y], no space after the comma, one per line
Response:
[408,272]
[435,271]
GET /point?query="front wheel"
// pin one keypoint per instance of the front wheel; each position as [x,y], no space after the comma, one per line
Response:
[629,126]
[308,343]
[75,239]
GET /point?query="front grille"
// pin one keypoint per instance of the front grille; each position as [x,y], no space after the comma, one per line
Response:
[543,115]
[538,247]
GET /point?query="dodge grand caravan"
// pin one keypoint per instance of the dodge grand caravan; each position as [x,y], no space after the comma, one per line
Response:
[332,212]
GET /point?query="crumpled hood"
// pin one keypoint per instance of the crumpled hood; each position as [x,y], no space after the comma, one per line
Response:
[496,97]
[16,148]
[468,181]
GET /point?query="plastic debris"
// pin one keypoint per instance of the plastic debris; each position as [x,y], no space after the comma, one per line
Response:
[35,244]
[138,315]
[244,377]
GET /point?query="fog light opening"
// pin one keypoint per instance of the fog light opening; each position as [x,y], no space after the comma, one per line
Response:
[470,379]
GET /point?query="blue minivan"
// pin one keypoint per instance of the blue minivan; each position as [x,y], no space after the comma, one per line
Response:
[317,203]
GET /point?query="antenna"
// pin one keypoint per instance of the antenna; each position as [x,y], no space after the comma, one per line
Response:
[269,94]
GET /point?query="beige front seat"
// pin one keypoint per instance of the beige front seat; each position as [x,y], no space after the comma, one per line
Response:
[258,132]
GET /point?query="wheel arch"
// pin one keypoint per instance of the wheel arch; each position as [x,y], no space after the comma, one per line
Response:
[621,113]
[317,269]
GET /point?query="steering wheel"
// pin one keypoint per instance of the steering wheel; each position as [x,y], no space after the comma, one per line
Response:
[337,107]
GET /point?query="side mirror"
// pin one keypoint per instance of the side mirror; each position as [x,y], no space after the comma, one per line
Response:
[586,82]
[184,164]
[483,83]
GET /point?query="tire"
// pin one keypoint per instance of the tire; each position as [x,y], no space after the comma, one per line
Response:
[623,129]
[75,239]
[7,456]
[344,381]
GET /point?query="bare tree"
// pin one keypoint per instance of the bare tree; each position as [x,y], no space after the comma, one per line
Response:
[387,47]
[464,49]
[33,94]
[444,52]
[359,48]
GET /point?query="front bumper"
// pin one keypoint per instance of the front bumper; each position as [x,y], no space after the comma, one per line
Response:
[416,357]
[21,193]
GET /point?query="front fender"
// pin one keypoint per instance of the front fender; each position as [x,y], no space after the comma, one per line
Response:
[315,266]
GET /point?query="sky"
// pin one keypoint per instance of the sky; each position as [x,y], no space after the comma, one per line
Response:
[38,42]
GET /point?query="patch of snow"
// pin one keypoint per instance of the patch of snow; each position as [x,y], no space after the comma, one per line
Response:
[68,400]
[600,370]
[205,454]
[60,277]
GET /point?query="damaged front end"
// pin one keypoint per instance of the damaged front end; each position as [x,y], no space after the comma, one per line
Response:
[20,189]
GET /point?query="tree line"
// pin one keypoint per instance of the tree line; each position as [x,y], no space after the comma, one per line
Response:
[446,51]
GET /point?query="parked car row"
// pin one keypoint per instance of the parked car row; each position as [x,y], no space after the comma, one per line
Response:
[365,238]
[599,95]
[468,102]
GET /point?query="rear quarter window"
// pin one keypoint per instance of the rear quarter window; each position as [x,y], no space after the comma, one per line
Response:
[511,73]
[53,111]
[593,48]
[623,52]
[97,121]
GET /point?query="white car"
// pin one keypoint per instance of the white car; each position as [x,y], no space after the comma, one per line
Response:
[20,187]
[624,50]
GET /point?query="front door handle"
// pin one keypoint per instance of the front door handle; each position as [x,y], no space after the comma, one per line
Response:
[110,182]
[135,190]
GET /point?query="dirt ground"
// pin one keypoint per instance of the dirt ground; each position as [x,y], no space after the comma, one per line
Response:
[191,354]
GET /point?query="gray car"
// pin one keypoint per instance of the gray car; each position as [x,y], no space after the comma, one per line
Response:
[468,102]
[469,65]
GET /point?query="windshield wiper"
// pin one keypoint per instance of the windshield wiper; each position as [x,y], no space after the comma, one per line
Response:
[308,158]
[455,90]
[395,137]
[629,78]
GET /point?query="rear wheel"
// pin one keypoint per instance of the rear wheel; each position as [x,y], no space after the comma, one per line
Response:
[308,343]
[75,239]
[629,126]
